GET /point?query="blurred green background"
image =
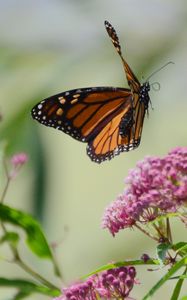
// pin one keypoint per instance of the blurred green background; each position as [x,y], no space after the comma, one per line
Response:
[52,46]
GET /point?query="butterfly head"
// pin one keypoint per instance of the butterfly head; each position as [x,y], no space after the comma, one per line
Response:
[145,87]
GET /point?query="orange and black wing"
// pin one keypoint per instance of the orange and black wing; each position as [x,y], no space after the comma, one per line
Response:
[82,113]
[132,80]
[111,140]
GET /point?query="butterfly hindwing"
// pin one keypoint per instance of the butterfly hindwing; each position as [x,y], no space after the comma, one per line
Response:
[110,142]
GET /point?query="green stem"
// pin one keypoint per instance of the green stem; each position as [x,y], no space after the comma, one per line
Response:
[26,268]
[57,270]
[169,235]
[34,274]
[146,232]
[178,287]
[5,190]
[7,182]
[159,232]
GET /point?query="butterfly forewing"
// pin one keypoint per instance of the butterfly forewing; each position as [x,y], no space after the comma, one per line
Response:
[131,78]
[84,112]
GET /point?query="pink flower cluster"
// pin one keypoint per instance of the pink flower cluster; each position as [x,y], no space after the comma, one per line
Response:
[155,187]
[111,284]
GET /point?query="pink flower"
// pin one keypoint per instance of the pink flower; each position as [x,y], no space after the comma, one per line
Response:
[77,291]
[155,187]
[111,284]
[118,282]
[17,160]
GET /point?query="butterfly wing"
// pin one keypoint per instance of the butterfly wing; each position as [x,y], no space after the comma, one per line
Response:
[132,80]
[82,113]
[109,142]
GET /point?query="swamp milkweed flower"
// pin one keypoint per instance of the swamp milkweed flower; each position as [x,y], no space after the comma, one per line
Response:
[156,186]
[111,284]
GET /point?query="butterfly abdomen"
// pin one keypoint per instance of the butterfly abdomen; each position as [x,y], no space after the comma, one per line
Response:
[127,122]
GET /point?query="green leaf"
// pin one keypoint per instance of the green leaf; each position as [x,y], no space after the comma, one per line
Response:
[12,237]
[21,295]
[180,248]
[27,287]
[179,277]
[162,251]
[122,263]
[178,287]
[167,276]
[35,237]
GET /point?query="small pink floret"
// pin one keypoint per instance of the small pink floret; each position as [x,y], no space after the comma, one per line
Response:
[19,159]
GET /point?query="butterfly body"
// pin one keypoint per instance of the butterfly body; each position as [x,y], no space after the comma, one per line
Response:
[109,119]
[144,94]
[126,123]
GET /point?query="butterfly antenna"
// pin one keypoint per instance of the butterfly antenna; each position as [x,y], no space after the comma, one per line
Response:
[158,70]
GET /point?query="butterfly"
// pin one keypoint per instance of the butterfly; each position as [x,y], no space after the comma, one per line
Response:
[108,119]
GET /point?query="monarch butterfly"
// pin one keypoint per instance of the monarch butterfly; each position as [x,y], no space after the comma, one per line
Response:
[109,119]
